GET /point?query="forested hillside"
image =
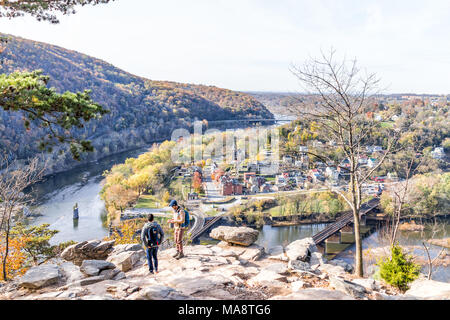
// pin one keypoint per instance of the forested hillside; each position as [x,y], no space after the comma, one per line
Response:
[141,110]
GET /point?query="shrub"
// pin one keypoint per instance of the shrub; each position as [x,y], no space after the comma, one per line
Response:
[398,270]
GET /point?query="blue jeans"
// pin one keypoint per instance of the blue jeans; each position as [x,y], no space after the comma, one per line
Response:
[152,254]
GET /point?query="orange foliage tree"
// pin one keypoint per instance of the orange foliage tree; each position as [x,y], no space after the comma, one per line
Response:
[16,259]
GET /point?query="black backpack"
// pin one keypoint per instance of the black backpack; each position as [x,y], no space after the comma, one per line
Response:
[152,236]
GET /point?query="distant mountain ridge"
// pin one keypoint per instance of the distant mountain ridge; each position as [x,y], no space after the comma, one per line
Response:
[141,110]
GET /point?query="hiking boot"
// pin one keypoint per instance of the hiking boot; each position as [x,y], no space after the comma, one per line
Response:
[181,255]
[176,254]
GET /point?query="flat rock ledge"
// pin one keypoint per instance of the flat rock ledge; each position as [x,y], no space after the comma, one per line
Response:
[224,271]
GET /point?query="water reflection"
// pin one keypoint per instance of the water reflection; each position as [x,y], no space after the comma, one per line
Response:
[57,195]
[273,236]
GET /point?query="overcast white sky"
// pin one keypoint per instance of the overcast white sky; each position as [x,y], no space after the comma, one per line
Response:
[249,44]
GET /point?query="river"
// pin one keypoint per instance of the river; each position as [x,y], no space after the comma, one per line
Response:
[272,236]
[57,194]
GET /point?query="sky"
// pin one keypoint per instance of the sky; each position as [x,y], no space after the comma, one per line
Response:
[249,45]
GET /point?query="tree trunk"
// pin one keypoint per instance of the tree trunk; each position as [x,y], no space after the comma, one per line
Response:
[358,242]
[5,257]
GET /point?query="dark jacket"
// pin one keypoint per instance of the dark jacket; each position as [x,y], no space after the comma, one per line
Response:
[144,232]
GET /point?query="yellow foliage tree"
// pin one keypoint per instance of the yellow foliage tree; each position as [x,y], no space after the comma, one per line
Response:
[126,233]
[15,262]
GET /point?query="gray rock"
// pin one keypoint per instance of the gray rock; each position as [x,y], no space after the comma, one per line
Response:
[126,247]
[369,284]
[429,290]
[316,259]
[109,273]
[156,292]
[298,265]
[71,272]
[120,276]
[332,269]
[90,280]
[87,250]
[337,262]
[279,268]
[243,236]
[266,277]
[301,249]
[93,267]
[315,294]
[348,287]
[126,259]
[252,253]
[40,276]
[198,282]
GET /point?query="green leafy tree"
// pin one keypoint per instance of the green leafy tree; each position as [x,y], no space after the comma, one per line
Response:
[43,9]
[28,92]
[398,270]
[37,238]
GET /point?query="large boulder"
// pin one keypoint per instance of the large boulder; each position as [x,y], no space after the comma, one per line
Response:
[301,249]
[126,260]
[87,250]
[243,236]
[40,276]
[252,253]
[93,267]
[348,287]
[429,289]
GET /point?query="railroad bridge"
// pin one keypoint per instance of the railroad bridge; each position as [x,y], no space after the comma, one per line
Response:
[339,235]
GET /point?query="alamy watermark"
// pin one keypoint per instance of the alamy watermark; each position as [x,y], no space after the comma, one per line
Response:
[257,146]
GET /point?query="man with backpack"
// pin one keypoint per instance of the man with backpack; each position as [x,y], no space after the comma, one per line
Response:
[152,236]
[180,221]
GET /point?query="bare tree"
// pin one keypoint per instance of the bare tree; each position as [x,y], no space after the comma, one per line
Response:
[399,193]
[341,97]
[14,180]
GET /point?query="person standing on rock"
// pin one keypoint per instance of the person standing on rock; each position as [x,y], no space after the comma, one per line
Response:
[178,220]
[152,236]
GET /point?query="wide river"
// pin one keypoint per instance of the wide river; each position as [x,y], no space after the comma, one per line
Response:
[57,195]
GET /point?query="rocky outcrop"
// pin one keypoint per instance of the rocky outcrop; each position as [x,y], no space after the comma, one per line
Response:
[301,249]
[243,236]
[348,287]
[209,272]
[94,267]
[126,260]
[88,250]
[429,289]
[40,276]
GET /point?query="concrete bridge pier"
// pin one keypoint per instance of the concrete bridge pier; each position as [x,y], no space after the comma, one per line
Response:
[344,238]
